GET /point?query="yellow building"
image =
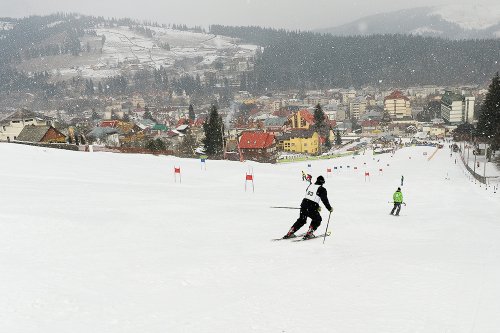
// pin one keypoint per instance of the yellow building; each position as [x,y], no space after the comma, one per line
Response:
[300,141]
[302,119]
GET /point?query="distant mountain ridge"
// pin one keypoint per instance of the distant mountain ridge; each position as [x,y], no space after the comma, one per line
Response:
[449,21]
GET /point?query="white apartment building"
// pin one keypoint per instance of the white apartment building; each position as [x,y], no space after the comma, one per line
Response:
[357,107]
[397,105]
[456,108]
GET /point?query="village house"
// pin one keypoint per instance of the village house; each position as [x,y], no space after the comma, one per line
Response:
[107,136]
[12,125]
[275,125]
[258,146]
[41,134]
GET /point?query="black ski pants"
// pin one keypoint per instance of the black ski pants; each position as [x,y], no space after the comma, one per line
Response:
[305,212]
[397,205]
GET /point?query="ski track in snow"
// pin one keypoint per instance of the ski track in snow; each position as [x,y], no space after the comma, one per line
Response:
[102,242]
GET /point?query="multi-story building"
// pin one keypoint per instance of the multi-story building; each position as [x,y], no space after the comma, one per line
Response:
[357,107]
[11,127]
[347,95]
[397,105]
[456,108]
[300,141]
[302,119]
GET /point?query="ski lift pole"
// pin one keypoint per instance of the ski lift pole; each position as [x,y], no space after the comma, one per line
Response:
[326,231]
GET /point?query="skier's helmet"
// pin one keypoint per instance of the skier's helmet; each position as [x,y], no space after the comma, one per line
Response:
[320,180]
[399,188]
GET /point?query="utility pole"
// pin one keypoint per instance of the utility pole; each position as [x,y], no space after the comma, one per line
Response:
[485,160]
[475,155]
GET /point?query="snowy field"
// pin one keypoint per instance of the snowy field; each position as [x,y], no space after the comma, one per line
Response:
[102,242]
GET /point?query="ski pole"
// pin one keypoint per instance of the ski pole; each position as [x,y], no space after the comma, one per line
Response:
[282,207]
[326,231]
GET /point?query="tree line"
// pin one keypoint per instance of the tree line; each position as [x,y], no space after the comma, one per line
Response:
[301,60]
[488,126]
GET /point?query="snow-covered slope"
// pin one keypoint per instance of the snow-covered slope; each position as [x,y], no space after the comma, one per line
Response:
[101,242]
[472,16]
[455,21]
[123,45]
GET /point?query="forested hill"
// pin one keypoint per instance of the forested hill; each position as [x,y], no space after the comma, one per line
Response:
[294,59]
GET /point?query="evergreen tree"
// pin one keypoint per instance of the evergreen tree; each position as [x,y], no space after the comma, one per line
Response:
[319,123]
[319,120]
[213,129]
[488,126]
[149,115]
[192,116]
[338,138]
[328,142]
[156,145]
[188,145]
[95,116]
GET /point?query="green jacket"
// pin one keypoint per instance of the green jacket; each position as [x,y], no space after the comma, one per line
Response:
[398,197]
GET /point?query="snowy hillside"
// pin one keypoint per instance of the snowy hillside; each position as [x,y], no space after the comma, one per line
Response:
[125,50]
[102,242]
[448,21]
[470,16]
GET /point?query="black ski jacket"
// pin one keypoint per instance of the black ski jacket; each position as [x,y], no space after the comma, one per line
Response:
[322,193]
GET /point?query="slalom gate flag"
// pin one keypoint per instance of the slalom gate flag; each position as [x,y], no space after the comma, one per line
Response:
[177,170]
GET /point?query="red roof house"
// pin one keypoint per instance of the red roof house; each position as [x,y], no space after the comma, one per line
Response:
[109,123]
[258,146]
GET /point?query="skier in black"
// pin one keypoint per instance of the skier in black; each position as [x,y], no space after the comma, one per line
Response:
[310,208]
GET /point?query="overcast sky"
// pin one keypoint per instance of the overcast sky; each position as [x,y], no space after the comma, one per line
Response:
[290,14]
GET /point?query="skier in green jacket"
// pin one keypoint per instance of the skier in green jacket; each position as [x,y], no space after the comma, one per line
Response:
[398,200]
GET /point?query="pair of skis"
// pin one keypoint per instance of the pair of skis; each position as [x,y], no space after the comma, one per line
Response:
[300,238]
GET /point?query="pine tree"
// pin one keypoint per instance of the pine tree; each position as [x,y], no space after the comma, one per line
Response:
[319,118]
[156,145]
[488,126]
[213,129]
[188,145]
[319,123]
[338,138]
[328,142]
[192,116]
